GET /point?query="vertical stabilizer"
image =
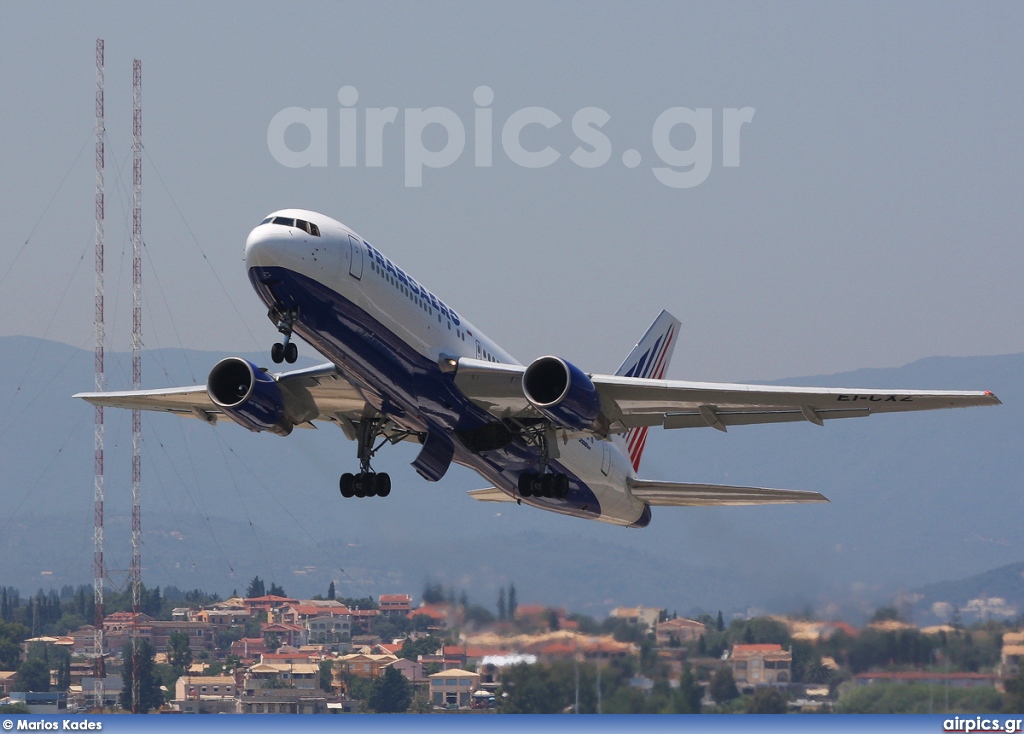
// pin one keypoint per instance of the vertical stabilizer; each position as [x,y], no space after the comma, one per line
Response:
[649,359]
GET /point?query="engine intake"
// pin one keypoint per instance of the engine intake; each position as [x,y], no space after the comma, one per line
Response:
[249,396]
[562,392]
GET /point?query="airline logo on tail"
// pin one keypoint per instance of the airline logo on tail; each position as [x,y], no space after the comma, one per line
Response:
[649,359]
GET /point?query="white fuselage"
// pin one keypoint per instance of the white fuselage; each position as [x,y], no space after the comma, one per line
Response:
[346,283]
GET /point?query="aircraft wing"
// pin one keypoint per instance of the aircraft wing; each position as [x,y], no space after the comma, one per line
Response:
[680,494]
[630,402]
[321,391]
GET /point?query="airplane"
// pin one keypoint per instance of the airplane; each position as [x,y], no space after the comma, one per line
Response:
[405,366]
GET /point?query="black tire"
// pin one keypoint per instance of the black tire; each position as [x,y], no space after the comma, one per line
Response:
[345,483]
[370,482]
[548,485]
[525,484]
[359,485]
[562,487]
[277,353]
[291,352]
[383,484]
[537,485]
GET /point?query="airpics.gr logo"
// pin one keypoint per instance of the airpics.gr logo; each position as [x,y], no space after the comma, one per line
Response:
[679,168]
[981,724]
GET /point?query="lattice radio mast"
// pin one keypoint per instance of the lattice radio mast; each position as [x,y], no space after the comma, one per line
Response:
[99,571]
[136,579]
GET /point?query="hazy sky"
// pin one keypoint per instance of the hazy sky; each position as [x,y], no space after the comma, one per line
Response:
[873,219]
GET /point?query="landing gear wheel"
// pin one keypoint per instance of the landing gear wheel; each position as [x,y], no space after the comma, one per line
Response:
[370,482]
[346,485]
[537,485]
[291,352]
[359,485]
[561,486]
[526,484]
[383,483]
[277,353]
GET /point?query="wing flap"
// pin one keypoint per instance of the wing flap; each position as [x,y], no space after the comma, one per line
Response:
[490,494]
[493,386]
[681,494]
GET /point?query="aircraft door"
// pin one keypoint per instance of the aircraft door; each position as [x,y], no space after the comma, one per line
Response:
[479,350]
[355,263]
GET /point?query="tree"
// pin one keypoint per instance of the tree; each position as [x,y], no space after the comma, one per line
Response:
[766,701]
[553,623]
[150,695]
[179,654]
[33,675]
[412,649]
[12,635]
[330,591]
[275,590]
[255,589]
[719,621]
[1015,694]
[433,593]
[513,603]
[391,693]
[723,686]
[502,613]
[885,614]
[686,699]
[326,668]
[63,668]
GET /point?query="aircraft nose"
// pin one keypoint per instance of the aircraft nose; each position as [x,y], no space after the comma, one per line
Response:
[264,247]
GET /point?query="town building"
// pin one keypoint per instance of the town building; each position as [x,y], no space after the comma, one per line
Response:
[395,605]
[760,665]
[678,631]
[641,615]
[453,688]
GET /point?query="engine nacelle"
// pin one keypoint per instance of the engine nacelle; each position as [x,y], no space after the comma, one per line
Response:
[249,396]
[562,392]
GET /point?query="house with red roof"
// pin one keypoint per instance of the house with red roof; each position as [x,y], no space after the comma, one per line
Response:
[395,605]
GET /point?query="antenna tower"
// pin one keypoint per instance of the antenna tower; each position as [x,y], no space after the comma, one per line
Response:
[136,572]
[99,670]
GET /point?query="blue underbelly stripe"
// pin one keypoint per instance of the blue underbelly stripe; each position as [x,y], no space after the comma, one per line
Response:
[412,389]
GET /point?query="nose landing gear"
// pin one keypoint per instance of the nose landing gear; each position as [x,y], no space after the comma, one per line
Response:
[285,350]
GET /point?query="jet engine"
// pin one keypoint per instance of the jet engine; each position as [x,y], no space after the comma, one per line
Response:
[562,392]
[249,396]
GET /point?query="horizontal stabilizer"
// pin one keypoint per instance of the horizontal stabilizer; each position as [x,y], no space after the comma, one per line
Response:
[491,494]
[682,494]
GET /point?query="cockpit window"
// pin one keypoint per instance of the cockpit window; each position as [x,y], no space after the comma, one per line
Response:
[307,227]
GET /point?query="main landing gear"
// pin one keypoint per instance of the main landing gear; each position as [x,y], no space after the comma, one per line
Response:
[285,350]
[543,483]
[532,484]
[367,483]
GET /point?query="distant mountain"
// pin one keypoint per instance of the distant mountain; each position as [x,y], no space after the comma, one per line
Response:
[995,594]
[914,499]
